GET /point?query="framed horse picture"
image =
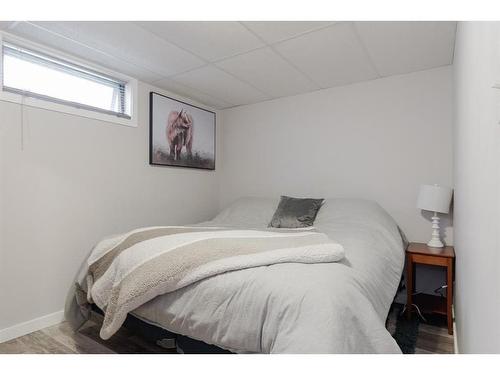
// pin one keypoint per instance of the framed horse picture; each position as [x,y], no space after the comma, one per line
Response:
[180,134]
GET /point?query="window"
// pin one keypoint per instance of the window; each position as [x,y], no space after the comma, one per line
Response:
[34,74]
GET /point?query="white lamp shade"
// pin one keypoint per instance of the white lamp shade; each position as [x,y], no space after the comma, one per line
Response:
[434,198]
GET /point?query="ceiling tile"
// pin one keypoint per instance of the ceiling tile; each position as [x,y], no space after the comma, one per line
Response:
[332,56]
[189,92]
[129,42]
[209,39]
[216,83]
[304,56]
[268,72]
[275,31]
[403,47]
[56,41]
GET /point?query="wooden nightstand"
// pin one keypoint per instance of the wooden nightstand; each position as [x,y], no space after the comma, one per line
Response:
[419,253]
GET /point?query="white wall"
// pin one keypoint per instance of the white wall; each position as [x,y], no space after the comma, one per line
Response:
[74,181]
[378,140]
[477,186]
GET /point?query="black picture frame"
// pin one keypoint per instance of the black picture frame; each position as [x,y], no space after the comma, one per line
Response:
[205,163]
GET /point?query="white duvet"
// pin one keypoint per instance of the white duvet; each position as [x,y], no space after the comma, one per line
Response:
[296,308]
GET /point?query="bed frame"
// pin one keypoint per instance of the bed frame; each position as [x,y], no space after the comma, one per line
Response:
[166,339]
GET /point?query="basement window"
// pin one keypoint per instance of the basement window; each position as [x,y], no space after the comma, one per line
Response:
[37,76]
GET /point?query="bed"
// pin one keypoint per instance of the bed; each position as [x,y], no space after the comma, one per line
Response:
[337,307]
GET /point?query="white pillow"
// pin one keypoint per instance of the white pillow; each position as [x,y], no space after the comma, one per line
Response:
[248,212]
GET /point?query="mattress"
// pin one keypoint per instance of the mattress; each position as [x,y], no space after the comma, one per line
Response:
[296,308]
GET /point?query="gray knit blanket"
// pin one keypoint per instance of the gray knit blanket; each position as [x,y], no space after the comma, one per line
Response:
[124,272]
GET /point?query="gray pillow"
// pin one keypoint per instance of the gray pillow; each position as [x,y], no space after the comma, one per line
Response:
[295,212]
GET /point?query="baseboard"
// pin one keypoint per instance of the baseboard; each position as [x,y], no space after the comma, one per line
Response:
[455,333]
[24,328]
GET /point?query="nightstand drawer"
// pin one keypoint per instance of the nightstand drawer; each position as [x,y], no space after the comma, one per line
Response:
[429,259]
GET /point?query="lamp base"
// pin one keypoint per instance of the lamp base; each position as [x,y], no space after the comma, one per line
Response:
[435,243]
[435,240]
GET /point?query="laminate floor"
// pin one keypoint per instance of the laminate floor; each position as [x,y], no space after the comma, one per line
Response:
[60,339]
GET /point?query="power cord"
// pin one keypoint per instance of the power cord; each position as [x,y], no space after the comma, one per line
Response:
[416,308]
[440,289]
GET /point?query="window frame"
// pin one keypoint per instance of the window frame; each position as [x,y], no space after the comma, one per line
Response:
[14,95]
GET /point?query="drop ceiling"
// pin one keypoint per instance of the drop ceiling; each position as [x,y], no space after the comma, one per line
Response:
[226,64]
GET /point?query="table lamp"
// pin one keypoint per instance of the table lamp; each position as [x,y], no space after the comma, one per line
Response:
[437,199]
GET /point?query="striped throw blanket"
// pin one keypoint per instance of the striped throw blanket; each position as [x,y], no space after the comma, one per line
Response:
[129,270]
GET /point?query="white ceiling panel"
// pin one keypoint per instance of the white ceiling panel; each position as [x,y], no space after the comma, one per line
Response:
[331,56]
[209,39]
[275,31]
[403,47]
[268,72]
[189,92]
[219,84]
[223,64]
[129,42]
[50,39]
